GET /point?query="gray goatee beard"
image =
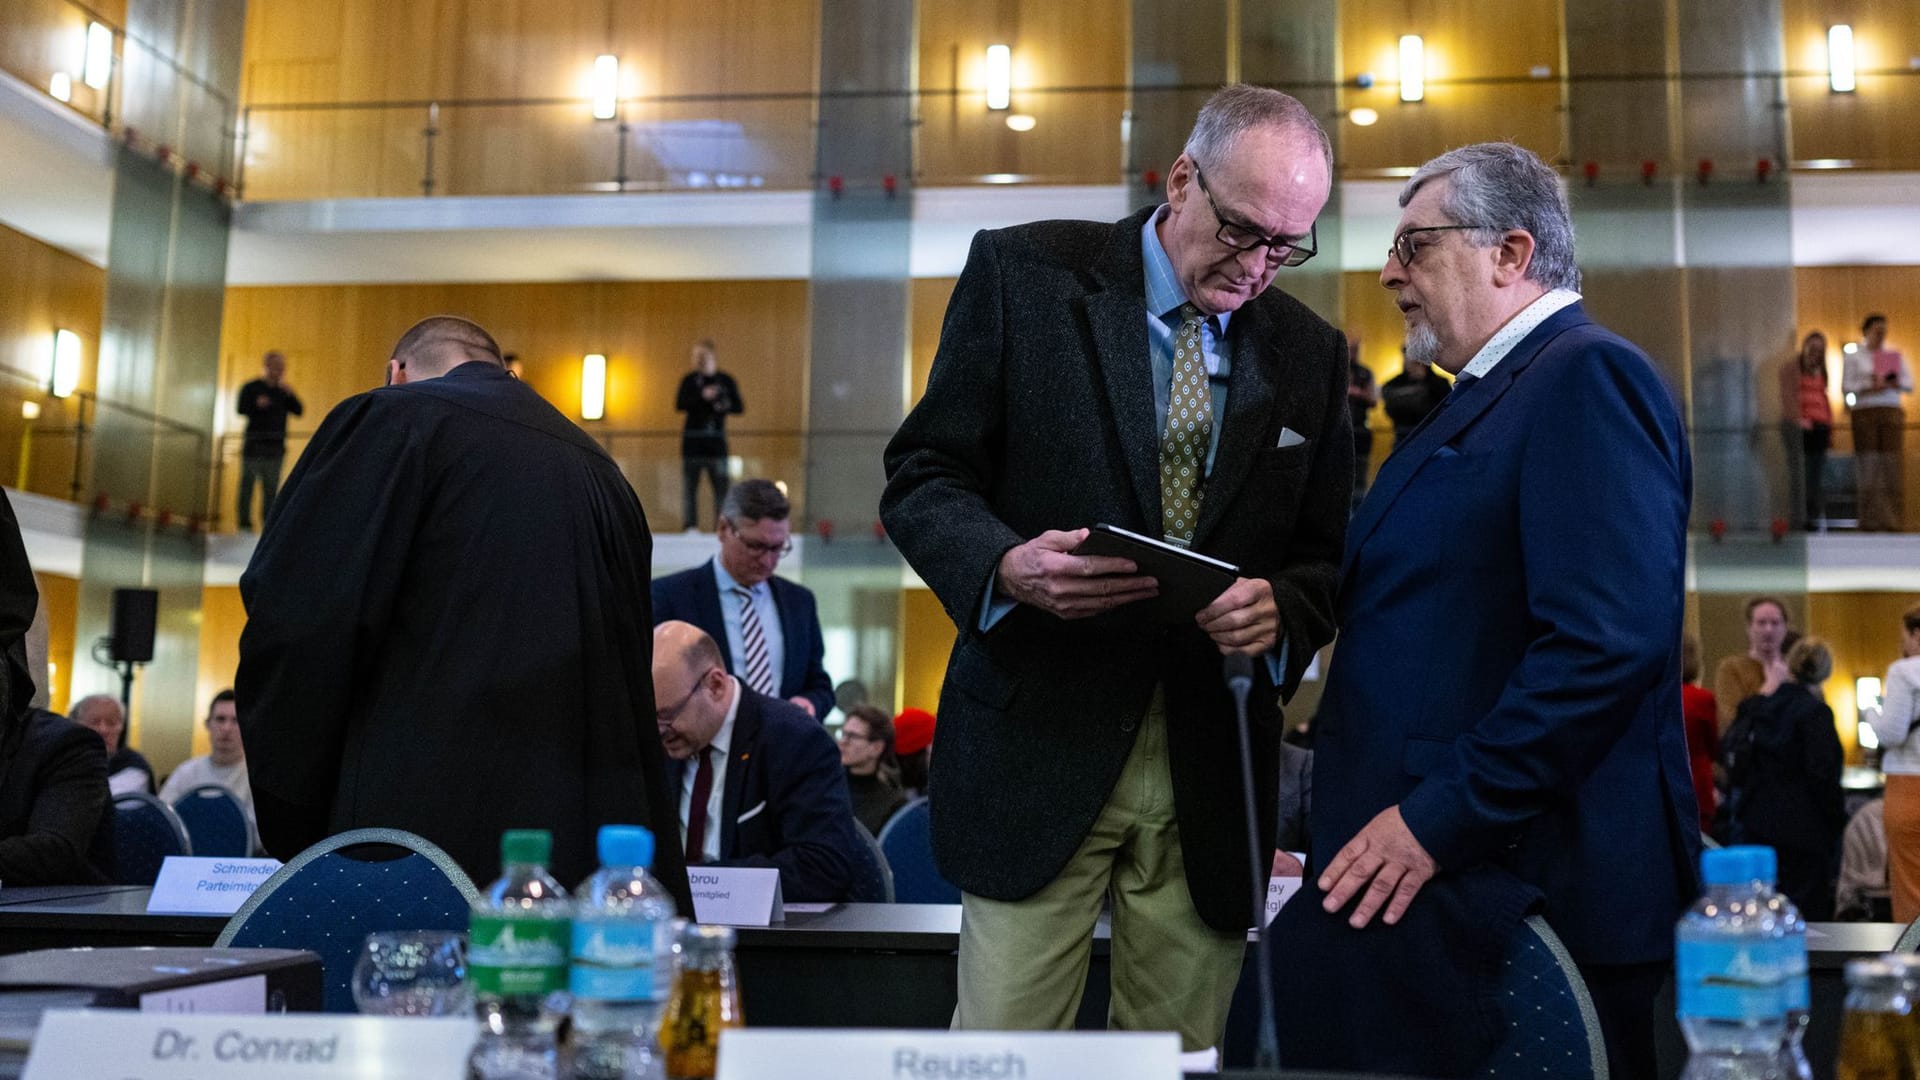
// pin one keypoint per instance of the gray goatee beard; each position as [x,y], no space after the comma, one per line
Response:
[1423,345]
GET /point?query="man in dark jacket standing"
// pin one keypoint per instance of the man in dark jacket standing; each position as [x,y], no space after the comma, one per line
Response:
[1142,375]
[266,402]
[447,626]
[708,396]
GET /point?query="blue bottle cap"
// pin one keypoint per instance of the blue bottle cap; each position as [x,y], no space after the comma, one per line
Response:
[1738,865]
[625,845]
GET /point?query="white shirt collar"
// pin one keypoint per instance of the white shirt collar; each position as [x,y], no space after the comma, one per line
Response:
[726,583]
[1525,322]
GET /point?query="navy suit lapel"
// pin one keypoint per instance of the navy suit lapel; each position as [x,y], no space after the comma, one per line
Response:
[1452,417]
[706,605]
[1117,317]
[1250,397]
[746,735]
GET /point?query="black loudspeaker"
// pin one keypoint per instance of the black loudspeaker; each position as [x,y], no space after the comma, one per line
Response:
[134,614]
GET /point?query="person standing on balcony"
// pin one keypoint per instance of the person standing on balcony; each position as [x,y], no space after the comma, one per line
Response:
[707,395]
[266,402]
[1875,378]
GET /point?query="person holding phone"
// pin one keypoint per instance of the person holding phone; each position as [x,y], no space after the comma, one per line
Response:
[1875,378]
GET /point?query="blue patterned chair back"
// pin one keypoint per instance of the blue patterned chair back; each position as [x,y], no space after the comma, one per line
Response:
[145,832]
[1552,1029]
[1909,938]
[327,900]
[216,822]
[909,846]
[873,883]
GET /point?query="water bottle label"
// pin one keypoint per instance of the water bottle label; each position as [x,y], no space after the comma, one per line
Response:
[1795,986]
[517,956]
[1738,980]
[614,959]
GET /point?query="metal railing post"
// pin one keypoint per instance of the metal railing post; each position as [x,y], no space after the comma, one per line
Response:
[432,132]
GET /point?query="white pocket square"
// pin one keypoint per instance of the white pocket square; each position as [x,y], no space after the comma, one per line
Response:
[744,818]
[1289,437]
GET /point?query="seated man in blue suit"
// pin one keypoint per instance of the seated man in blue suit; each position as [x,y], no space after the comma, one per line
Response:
[1527,543]
[759,783]
[768,628]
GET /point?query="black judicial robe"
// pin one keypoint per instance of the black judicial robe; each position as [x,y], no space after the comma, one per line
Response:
[448,632]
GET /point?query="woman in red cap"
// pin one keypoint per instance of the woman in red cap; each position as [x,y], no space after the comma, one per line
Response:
[913,744]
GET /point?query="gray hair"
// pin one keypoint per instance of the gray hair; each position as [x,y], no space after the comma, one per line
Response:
[1233,110]
[755,500]
[1506,187]
[93,701]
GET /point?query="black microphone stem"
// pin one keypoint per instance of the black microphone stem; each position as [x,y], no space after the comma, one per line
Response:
[1239,672]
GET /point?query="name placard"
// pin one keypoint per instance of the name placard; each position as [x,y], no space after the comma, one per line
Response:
[191,885]
[769,1053]
[736,895]
[1288,868]
[310,1046]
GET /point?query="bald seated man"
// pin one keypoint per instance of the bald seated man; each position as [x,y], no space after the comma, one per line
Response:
[758,780]
[448,624]
[127,768]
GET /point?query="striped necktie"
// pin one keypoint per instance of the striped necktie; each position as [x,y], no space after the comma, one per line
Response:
[1183,446]
[755,666]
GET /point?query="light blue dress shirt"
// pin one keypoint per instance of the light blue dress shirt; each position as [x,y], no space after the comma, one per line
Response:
[769,613]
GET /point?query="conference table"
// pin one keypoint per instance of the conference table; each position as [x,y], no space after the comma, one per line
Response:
[851,965]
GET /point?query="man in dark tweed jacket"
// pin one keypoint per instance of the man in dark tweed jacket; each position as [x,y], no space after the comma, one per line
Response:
[1139,374]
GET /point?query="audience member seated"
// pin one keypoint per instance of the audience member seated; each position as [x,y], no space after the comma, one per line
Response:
[1703,730]
[127,770]
[758,780]
[913,747]
[56,818]
[873,773]
[1741,677]
[226,766]
[1783,770]
[1900,760]
[1862,893]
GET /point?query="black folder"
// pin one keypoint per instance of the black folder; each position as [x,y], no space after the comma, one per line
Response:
[1189,581]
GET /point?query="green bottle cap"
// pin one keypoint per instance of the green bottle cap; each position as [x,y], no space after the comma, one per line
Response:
[521,846]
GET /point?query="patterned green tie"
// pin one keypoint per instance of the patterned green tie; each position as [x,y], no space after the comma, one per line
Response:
[1183,446]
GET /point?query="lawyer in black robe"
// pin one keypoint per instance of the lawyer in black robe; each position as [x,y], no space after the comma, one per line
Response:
[448,632]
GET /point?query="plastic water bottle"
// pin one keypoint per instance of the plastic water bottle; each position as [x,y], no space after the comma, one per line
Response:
[1791,1063]
[518,963]
[622,961]
[1741,968]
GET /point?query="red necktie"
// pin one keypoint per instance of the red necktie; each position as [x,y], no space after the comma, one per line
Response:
[697,808]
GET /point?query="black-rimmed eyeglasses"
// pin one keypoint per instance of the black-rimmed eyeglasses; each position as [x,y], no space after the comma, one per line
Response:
[1405,247]
[1243,237]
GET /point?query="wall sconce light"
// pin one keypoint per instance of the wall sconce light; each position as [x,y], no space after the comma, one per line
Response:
[606,86]
[1021,122]
[1840,58]
[61,86]
[593,387]
[999,77]
[1364,117]
[1413,68]
[63,375]
[1866,699]
[99,65]
[29,410]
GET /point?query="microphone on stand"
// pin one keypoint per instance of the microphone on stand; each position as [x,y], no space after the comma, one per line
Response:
[1239,674]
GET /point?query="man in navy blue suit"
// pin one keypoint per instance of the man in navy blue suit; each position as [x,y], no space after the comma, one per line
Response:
[759,783]
[768,628]
[1527,543]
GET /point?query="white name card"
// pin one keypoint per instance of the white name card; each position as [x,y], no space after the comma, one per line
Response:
[190,885]
[1282,885]
[736,895]
[770,1053]
[310,1046]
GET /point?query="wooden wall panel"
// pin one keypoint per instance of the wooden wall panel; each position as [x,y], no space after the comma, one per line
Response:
[60,597]
[926,641]
[337,339]
[1076,136]
[1863,629]
[300,52]
[41,37]
[222,617]
[1873,126]
[1458,46]
[42,289]
[929,302]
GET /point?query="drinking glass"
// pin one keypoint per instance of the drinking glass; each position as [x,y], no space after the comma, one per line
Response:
[413,973]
